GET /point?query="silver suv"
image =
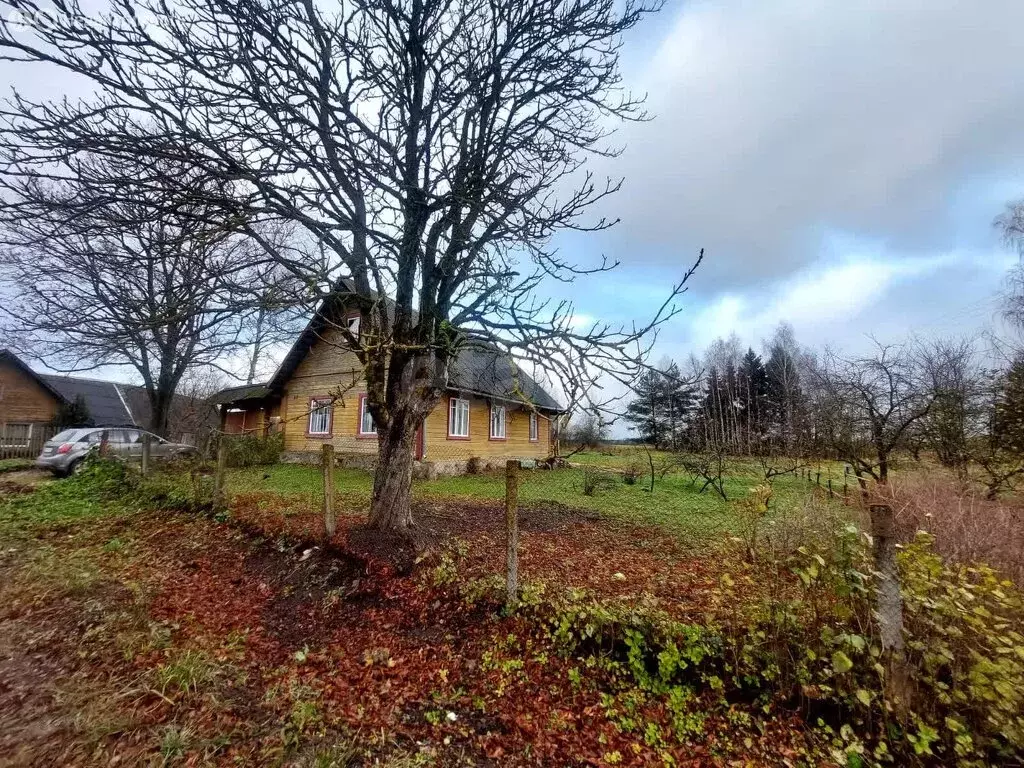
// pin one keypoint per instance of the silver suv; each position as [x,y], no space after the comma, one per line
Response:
[63,453]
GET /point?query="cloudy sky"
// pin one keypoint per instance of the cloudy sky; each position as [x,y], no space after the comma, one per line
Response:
[840,162]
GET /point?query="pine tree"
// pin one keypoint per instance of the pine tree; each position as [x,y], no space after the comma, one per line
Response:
[783,395]
[647,411]
[753,386]
[680,401]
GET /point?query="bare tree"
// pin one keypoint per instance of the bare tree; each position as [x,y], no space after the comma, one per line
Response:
[1010,224]
[869,404]
[430,147]
[585,432]
[116,264]
[958,386]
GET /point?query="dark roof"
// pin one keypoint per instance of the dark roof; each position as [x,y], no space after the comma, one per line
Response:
[480,368]
[491,372]
[106,403]
[244,392]
[111,404]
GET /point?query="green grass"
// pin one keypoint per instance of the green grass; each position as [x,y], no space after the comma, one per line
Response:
[676,503]
[12,465]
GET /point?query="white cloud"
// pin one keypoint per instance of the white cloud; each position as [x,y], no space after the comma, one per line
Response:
[830,298]
[775,121]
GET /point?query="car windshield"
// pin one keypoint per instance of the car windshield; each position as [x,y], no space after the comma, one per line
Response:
[68,436]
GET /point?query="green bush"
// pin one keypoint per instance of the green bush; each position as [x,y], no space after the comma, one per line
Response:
[252,450]
[101,486]
[809,638]
[964,628]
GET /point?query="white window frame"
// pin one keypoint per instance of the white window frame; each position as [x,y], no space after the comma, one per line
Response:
[499,422]
[534,427]
[320,407]
[458,412]
[352,323]
[364,412]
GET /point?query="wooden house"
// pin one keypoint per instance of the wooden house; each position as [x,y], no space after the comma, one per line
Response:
[491,411]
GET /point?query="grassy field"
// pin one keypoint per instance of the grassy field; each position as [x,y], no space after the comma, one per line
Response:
[140,627]
[675,503]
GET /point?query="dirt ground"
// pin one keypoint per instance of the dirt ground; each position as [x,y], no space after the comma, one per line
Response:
[161,638]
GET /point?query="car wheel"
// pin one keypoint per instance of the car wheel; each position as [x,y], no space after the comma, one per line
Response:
[74,468]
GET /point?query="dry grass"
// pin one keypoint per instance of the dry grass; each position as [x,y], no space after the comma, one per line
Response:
[967,527]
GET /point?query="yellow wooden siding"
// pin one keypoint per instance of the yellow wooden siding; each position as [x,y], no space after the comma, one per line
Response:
[327,370]
[517,444]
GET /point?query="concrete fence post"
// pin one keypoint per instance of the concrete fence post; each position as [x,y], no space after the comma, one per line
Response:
[330,521]
[889,606]
[104,442]
[512,531]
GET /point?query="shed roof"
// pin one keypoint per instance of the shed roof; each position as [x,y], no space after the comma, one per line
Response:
[106,403]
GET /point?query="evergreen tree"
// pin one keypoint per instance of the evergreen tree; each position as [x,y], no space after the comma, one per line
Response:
[680,401]
[647,411]
[73,414]
[753,393]
[784,396]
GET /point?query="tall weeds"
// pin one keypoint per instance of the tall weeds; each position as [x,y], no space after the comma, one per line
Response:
[967,528]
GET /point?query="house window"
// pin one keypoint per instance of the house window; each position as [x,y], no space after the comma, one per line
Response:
[352,324]
[320,417]
[17,436]
[366,425]
[497,422]
[458,418]
[534,432]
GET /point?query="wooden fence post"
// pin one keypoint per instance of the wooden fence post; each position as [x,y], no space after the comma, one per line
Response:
[330,521]
[219,491]
[830,494]
[512,530]
[104,442]
[145,453]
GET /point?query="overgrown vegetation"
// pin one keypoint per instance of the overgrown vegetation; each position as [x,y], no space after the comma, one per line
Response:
[803,636]
[251,450]
[765,644]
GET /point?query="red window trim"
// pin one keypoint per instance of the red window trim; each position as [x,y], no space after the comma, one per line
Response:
[490,424]
[534,419]
[360,435]
[469,411]
[330,418]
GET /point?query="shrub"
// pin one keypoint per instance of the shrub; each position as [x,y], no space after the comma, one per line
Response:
[632,473]
[249,450]
[801,630]
[596,480]
[964,626]
[474,466]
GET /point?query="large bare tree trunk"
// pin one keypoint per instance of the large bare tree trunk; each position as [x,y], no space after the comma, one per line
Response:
[390,507]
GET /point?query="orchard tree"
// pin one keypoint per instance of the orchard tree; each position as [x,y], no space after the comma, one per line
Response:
[870,403]
[431,148]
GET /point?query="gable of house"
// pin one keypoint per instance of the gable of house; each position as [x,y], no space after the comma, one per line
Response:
[29,397]
[25,398]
